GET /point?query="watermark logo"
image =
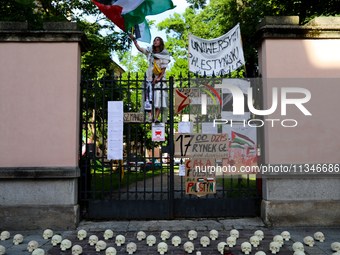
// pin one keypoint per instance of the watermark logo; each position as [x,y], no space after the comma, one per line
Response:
[238,103]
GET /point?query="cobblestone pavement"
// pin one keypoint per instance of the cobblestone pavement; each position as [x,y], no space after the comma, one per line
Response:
[246,227]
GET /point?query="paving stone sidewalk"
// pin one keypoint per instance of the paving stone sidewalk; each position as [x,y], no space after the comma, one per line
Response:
[246,227]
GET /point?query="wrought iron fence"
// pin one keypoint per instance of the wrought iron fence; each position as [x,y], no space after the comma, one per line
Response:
[146,183]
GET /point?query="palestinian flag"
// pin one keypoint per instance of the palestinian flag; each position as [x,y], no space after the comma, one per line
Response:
[128,13]
[237,137]
[200,180]
[236,145]
[250,150]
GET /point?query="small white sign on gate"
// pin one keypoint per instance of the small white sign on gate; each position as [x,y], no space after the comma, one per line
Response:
[158,132]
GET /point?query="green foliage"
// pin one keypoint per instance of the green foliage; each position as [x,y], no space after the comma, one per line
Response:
[20,10]
[219,16]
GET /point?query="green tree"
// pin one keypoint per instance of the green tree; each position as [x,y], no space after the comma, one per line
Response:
[219,16]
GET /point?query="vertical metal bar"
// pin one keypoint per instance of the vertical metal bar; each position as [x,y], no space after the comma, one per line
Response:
[102,126]
[111,161]
[128,144]
[87,165]
[120,173]
[95,136]
[171,147]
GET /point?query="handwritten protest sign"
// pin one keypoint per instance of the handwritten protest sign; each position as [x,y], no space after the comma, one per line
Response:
[201,145]
[220,55]
[133,117]
[199,179]
[189,100]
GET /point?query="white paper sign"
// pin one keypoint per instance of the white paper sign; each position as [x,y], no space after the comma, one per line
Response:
[185,127]
[158,132]
[220,55]
[181,170]
[208,128]
[115,130]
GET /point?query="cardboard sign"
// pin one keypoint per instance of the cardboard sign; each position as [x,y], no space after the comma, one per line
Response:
[189,100]
[158,132]
[199,179]
[133,117]
[201,145]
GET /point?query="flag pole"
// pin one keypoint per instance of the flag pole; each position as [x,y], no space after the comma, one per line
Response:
[130,51]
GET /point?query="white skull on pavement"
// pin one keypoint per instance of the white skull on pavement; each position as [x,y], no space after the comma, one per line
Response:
[38,252]
[246,247]
[231,241]
[2,250]
[131,247]
[141,235]
[110,251]
[176,240]
[93,240]
[56,239]
[335,246]
[220,247]
[65,244]
[120,239]
[234,233]
[32,245]
[82,234]
[100,246]
[189,247]
[165,235]
[274,247]
[17,239]
[48,233]
[162,248]
[192,235]
[255,241]
[278,239]
[108,234]
[260,253]
[319,236]
[259,234]
[285,235]
[213,234]
[205,241]
[151,240]
[4,235]
[77,250]
[298,246]
[308,240]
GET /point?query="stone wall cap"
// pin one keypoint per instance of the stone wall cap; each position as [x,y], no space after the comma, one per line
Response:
[39,172]
[13,25]
[61,26]
[279,20]
[325,22]
[318,28]
[51,32]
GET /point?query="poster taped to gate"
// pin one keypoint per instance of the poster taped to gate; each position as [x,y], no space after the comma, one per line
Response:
[196,145]
[199,177]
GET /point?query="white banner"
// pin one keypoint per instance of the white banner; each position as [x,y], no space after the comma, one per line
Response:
[220,55]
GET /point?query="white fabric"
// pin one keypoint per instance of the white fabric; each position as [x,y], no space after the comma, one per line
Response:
[160,97]
[128,5]
[222,54]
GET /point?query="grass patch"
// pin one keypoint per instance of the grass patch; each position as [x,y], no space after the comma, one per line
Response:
[107,180]
[238,186]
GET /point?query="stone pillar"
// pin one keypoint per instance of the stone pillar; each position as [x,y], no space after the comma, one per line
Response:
[39,128]
[307,57]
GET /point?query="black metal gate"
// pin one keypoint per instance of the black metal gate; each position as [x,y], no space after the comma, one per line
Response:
[146,184]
